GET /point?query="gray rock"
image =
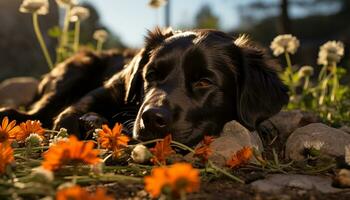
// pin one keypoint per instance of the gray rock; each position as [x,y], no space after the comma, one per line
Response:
[334,140]
[284,123]
[232,139]
[345,129]
[275,183]
[17,91]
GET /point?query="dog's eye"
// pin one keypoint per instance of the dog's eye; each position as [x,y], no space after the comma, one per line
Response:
[150,75]
[203,83]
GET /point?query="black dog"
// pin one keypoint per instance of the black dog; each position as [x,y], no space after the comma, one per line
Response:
[188,84]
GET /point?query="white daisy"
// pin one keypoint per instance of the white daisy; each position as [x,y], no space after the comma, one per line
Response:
[284,43]
[79,13]
[330,53]
[40,7]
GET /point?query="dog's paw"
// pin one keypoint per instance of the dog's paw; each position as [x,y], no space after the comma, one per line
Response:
[69,120]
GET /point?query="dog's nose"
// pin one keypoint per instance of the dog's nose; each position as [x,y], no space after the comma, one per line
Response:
[156,119]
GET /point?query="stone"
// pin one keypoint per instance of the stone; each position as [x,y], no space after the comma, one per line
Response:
[334,140]
[276,183]
[18,91]
[345,129]
[284,123]
[233,138]
[342,179]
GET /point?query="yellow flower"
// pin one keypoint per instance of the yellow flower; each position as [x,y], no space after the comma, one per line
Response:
[178,178]
[8,131]
[40,7]
[68,152]
[6,156]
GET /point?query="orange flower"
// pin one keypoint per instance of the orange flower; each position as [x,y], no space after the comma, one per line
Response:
[79,193]
[155,183]
[8,130]
[180,177]
[204,151]
[240,158]
[161,151]
[6,156]
[72,151]
[28,127]
[113,139]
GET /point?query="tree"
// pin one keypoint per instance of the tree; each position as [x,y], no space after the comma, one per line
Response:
[205,18]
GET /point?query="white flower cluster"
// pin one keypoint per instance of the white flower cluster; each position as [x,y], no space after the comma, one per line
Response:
[284,43]
[347,154]
[157,3]
[40,7]
[330,53]
[140,154]
[79,13]
[306,70]
[317,145]
[34,140]
[67,2]
[100,35]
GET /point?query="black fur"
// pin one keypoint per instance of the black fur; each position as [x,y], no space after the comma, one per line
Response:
[188,84]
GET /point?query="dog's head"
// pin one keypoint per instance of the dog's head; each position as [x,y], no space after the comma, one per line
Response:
[195,82]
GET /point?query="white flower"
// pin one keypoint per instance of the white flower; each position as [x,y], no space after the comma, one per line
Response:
[306,70]
[140,154]
[97,169]
[317,145]
[157,3]
[330,53]
[79,13]
[347,154]
[34,140]
[42,174]
[96,133]
[67,2]
[100,35]
[63,132]
[40,7]
[284,43]
[57,139]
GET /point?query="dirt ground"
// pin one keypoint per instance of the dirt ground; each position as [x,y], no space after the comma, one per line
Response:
[222,189]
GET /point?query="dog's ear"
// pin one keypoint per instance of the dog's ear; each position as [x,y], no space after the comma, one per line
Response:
[134,82]
[261,93]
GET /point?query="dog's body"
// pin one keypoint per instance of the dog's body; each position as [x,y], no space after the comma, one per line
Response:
[188,84]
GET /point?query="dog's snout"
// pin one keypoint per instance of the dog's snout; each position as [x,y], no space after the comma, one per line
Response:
[156,119]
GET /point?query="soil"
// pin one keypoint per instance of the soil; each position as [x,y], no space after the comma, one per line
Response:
[222,189]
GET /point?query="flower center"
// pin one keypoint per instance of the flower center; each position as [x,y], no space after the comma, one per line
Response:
[3,136]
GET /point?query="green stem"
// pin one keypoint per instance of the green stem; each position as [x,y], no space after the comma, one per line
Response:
[66,27]
[41,41]
[323,72]
[106,178]
[290,73]
[99,45]
[335,85]
[324,84]
[306,83]
[76,36]
[64,36]
[212,165]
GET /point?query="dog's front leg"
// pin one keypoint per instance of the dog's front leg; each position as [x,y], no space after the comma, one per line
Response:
[101,100]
